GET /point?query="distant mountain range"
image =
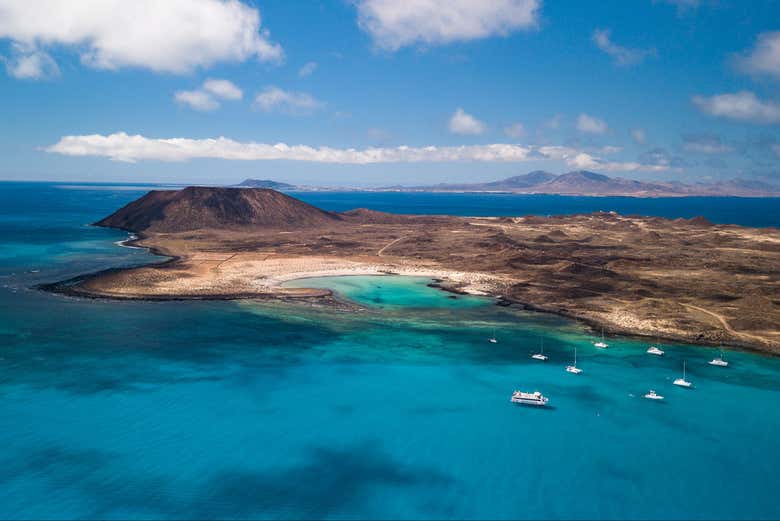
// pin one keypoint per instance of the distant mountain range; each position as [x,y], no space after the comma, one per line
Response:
[580,182]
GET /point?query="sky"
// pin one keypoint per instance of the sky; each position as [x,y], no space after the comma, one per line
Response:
[373,93]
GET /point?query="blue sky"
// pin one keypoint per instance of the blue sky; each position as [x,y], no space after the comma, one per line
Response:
[375,92]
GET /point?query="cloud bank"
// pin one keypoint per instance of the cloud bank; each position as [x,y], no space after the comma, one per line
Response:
[130,148]
[393,24]
[175,36]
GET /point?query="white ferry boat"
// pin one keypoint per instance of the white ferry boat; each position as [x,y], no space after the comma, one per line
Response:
[535,398]
[652,395]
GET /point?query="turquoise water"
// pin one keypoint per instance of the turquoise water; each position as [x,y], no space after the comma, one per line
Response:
[252,410]
[391,293]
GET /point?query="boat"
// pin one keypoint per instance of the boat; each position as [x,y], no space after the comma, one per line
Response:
[655,350]
[493,339]
[540,355]
[573,368]
[601,344]
[719,361]
[682,382]
[652,395]
[536,398]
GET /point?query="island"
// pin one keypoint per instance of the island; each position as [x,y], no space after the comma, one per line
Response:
[577,183]
[684,279]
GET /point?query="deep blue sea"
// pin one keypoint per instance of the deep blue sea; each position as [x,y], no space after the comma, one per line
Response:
[253,410]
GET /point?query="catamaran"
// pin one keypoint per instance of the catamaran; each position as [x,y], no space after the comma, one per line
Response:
[655,350]
[573,368]
[719,361]
[540,355]
[682,382]
[652,395]
[535,398]
[493,339]
[601,344]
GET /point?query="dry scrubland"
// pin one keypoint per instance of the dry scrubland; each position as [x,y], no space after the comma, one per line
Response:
[678,279]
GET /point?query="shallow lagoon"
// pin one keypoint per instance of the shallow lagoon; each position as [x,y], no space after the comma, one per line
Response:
[251,410]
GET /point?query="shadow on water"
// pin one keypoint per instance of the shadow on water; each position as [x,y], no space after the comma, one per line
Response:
[325,482]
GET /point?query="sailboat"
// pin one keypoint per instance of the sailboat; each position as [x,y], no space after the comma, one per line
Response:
[493,339]
[719,361]
[601,344]
[682,382]
[655,350]
[573,368]
[540,355]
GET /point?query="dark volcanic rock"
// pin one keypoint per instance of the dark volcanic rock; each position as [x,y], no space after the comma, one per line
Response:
[196,208]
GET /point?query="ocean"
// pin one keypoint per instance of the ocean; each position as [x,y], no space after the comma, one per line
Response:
[183,410]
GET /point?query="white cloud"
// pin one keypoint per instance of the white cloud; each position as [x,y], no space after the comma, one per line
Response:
[30,63]
[739,106]
[465,124]
[621,55]
[591,125]
[585,161]
[224,89]
[393,24]
[205,98]
[307,69]
[706,144]
[274,98]
[196,99]
[639,136]
[764,58]
[174,36]
[123,147]
[515,130]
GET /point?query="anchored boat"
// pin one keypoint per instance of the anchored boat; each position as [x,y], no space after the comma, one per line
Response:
[682,382]
[601,344]
[540,355]
[573,367]
[536,398]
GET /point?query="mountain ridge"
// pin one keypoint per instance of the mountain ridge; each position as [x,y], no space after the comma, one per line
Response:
[584,182]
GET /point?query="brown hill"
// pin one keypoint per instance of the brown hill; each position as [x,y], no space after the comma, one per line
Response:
[219,208]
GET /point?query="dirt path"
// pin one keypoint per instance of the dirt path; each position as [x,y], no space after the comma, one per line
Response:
[386,246]
[725,323]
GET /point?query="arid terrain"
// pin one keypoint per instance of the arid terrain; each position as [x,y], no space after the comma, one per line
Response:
[677,279]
